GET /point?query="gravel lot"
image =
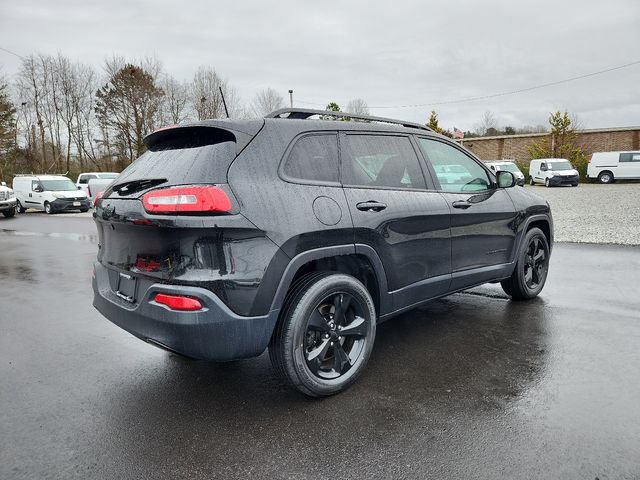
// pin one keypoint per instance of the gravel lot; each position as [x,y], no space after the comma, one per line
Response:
[589,213]
[593,213]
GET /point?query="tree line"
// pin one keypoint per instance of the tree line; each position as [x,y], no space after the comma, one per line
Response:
[62,116]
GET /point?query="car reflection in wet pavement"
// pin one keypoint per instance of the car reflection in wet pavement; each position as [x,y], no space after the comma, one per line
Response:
[471,386]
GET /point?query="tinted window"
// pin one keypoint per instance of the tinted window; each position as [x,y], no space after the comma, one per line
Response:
[456,171]
[85,178]
[314,158]
[630,157]
[181,166]
[381,161]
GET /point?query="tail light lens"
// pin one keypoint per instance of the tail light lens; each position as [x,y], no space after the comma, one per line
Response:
[96,198]
[590,157]
[194,199]
[178,302]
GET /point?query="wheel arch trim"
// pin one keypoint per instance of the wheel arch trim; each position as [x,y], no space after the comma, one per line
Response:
[334,251]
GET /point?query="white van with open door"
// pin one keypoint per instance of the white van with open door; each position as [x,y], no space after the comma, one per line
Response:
[608,167]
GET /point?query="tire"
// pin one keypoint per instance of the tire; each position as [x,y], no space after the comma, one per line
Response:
[84,210]
[605,177]
[531,182]
[47,208]
[309,348]
[521,286]
[546,182]
[19,207]
[9,212]
[574,184]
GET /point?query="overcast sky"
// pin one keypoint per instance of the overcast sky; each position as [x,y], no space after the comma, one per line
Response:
[389,53]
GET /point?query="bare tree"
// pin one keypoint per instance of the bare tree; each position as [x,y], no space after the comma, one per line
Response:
[266,101]
[175,102]
[487,124]
[206,99]
[358,106]
[205,94]
[32,91]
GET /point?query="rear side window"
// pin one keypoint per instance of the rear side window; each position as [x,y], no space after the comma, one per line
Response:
[313,158]
[381,161]
[630,157]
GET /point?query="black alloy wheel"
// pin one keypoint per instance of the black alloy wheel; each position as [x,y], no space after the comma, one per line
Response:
[532,267]
[325,333]
[336,335]
[535,267]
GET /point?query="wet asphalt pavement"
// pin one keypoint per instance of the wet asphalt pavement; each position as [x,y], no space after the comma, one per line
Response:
[472,386]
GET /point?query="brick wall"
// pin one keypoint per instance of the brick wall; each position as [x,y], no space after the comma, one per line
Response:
[516,146]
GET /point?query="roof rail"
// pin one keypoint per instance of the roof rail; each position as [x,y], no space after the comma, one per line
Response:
[302,114]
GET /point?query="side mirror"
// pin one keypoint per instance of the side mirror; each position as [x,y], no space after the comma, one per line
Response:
[38,189]
[543,168]
[79,187]
[505,179]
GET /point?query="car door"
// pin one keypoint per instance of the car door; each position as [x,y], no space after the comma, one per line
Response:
[540,172]
[396,210]
[34,199]
[482,215]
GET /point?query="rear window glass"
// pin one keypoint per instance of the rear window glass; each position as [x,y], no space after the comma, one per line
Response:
[381,161]
[314,158]
[180,166]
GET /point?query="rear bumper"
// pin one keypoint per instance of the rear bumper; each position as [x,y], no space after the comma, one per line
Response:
[214,333]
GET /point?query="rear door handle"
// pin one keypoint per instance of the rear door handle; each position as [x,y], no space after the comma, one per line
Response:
[461,204]
[371,205]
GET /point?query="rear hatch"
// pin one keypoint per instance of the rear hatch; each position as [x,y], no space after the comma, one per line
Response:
[170,216]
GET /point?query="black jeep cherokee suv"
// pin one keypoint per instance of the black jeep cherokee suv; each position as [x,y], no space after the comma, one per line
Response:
[228,237]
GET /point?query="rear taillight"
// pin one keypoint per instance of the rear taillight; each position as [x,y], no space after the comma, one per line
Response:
[97,197]
[195,199]
[178,302]
[590,157]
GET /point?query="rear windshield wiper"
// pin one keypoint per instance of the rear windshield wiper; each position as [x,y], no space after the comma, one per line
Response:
[132,186]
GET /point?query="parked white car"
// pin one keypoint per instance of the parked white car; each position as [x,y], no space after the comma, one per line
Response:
[610,166]
[51,193]
[508,165]
[552,172]
[83,180]
[7,201]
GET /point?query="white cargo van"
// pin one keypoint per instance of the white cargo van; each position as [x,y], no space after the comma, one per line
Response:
[610,166]
[51,193]
[552,172]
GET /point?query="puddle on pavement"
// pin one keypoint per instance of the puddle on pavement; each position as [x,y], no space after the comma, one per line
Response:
[80,237]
